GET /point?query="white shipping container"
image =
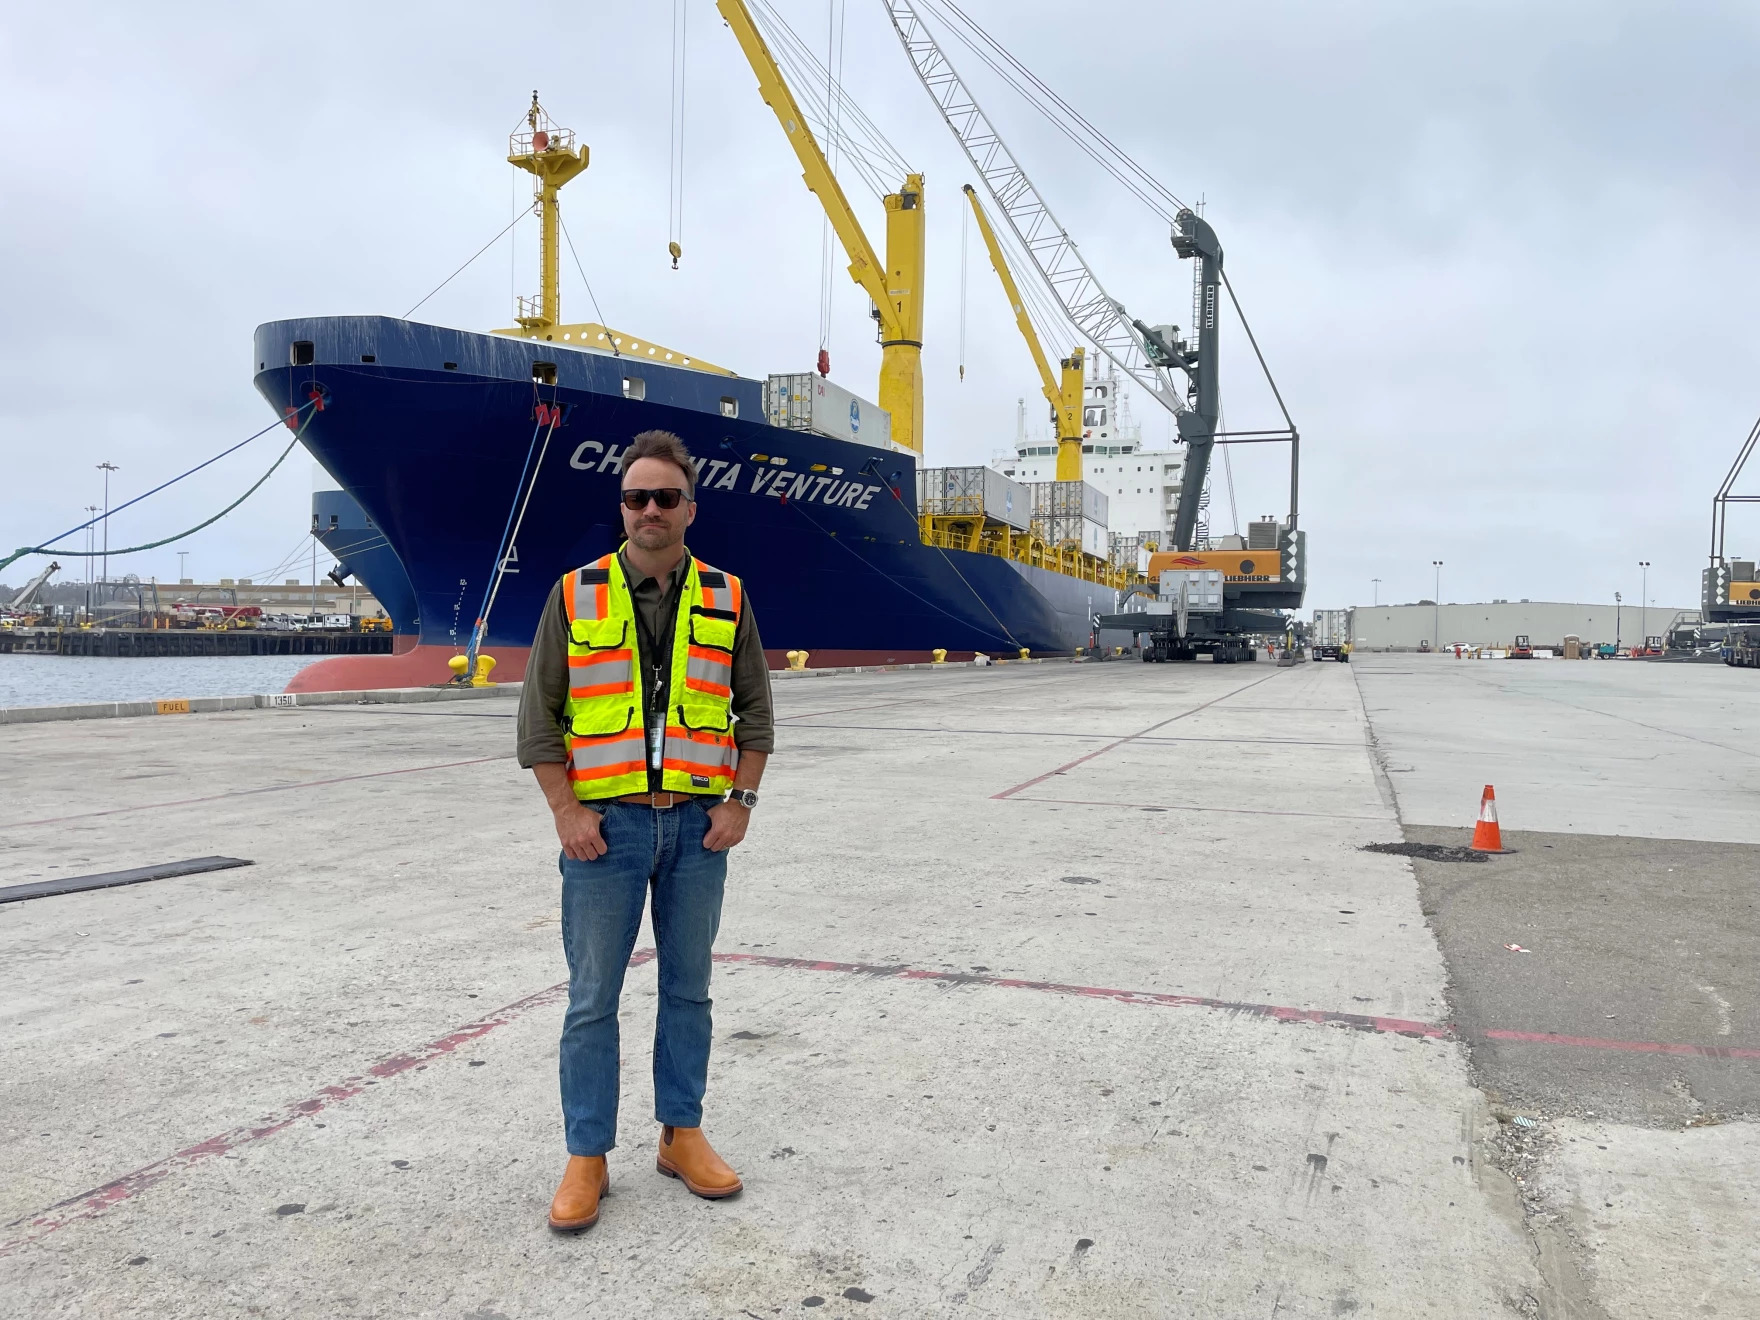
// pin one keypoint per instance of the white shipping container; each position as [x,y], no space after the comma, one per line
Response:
[1331,627]
[1061,529]
[1067,498]
[975,491]
[1096,539]
[806,401]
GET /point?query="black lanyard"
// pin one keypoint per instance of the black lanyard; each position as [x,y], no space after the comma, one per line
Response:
[659,668]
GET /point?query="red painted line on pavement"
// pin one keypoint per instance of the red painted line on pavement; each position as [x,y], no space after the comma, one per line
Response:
[898,971]
[1101,751]
[248,792]
[1629,1046]
[89,1205]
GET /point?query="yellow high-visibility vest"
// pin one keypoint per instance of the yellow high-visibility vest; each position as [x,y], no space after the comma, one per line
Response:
[604,719]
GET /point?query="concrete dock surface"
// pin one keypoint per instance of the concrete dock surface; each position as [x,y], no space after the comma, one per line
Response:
[1054,990]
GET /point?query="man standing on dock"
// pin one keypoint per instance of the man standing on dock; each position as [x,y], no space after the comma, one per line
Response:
[644,804]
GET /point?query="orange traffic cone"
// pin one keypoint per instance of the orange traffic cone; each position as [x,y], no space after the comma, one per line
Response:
[1486,836]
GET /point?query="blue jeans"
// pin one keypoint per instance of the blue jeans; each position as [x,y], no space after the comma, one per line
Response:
[647,851]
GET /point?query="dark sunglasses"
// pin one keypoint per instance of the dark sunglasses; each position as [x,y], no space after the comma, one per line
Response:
[636,499]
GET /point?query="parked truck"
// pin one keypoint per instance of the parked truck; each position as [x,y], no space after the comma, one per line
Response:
[1329,636]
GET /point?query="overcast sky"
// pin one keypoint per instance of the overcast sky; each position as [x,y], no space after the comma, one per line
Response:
[1501,257]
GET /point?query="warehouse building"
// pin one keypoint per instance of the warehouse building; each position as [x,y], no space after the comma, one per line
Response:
[1495,623]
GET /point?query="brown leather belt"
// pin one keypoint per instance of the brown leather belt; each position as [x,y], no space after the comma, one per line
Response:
[658,800]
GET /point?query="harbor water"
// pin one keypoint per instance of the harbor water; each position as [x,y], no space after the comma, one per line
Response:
[50,680]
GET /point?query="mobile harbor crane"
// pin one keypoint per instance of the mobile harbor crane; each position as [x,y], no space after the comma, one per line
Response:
[1197,598]
[1730,590]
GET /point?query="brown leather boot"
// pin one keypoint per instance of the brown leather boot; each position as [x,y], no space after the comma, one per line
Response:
[685,1154]
[576,1203]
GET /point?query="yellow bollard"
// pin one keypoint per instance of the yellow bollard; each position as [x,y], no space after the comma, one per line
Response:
[1023,653]
[797,659]
[938,655]
[485,664]
[456,665]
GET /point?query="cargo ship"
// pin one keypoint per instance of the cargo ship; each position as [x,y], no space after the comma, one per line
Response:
[429,430]
[486,464]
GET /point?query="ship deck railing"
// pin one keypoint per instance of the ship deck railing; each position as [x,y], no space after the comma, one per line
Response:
[987,536]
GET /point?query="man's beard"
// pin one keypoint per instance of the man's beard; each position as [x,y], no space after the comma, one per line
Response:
[655,536]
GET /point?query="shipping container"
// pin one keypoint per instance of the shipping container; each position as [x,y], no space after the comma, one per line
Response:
[804,401]
[974,492]
[1065,499]
[1064,529]
[1126,549]
[1331,627]
[1330,634]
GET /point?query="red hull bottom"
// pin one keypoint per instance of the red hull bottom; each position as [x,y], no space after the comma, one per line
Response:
[426,666]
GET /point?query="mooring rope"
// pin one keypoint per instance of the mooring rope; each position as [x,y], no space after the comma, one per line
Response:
[307,408]
[549,417]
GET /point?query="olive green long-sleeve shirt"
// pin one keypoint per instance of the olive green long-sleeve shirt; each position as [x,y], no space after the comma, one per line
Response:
[545,693]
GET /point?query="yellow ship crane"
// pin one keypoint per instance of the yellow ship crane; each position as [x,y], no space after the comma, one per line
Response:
[1063,393]
[896,285]
[549,155]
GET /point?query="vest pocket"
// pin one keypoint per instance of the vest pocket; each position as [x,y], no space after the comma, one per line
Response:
[599,634]
[601,721]
[705,716]
[709,630]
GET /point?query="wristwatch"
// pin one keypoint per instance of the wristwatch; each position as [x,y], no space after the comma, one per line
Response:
[746,797]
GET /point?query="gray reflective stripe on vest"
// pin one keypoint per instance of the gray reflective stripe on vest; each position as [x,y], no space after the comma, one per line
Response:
[601,752]
[586,597]
[696,753]
[719,672]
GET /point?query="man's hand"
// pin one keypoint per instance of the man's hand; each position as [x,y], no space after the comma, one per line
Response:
[727,825]
[577,826]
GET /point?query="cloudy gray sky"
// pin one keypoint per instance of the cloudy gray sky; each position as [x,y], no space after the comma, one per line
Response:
[1500,255]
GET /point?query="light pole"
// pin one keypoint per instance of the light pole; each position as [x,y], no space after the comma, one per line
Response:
[1377,582]
[107,468]
[1437,602]
[1616,601]
[1644,603]
[91,541]
[181,556]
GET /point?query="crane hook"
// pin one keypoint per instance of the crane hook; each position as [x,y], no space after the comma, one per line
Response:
[676,252]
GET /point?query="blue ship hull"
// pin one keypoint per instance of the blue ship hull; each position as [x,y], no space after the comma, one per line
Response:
[361,550]
[429,429]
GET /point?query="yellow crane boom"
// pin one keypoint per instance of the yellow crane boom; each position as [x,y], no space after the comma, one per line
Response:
[895,285]
[1063,393]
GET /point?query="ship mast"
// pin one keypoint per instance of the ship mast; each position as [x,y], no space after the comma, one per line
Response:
[548,154]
